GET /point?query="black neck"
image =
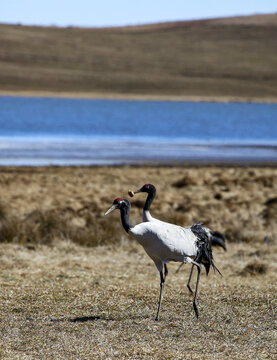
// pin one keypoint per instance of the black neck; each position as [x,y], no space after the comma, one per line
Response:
[125,212]
[149,199]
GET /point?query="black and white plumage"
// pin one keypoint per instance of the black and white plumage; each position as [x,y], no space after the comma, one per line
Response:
[215,237]
[165,242]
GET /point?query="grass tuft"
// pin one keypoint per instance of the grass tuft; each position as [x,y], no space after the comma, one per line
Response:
[185,181]
[9,230]
[43,227]
[3,211]
[254,268]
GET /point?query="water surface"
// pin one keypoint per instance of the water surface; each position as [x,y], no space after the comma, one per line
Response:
[43,131]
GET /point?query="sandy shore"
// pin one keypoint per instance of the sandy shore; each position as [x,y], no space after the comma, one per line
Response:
[147,97]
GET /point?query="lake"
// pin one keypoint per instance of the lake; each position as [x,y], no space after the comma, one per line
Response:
[57,131]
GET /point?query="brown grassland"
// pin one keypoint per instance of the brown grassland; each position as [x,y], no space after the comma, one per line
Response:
[218,59]
[74,286]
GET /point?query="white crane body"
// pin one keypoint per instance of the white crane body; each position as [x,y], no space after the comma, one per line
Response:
[166,242]
[214,237]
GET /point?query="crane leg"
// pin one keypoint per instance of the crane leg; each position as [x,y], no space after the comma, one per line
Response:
[163,277]
[196,288]
[190,275]
[165,271]
[179,267]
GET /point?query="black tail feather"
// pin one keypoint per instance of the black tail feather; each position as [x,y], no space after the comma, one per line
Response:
[218,234]
[218,239]
[205,255]
[216,269]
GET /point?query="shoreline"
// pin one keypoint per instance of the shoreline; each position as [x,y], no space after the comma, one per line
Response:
[30,152]
[143,165]
[196,163]
[137,97]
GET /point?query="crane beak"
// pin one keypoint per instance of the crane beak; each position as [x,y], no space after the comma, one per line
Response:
[132,193]
[113,207]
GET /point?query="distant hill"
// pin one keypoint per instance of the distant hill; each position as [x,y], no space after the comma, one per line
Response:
[228,57]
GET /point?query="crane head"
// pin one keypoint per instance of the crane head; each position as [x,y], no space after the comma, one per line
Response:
[148,188]
[118,203]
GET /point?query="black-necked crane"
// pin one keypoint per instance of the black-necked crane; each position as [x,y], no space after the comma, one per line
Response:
[215,237]
[165,242]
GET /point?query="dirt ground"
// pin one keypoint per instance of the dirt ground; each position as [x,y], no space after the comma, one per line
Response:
[61,299]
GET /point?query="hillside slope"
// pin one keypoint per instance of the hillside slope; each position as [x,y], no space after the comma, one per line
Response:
[231,57]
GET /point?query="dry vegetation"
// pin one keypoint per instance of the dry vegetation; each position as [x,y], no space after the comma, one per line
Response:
[60,299]
[233,58]
[40,204]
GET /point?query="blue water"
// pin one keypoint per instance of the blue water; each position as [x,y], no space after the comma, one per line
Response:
[43,131]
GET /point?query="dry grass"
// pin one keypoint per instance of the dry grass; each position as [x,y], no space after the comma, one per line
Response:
[42,227]
[63,300]
[231,58]
[68,301]
[40,204]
